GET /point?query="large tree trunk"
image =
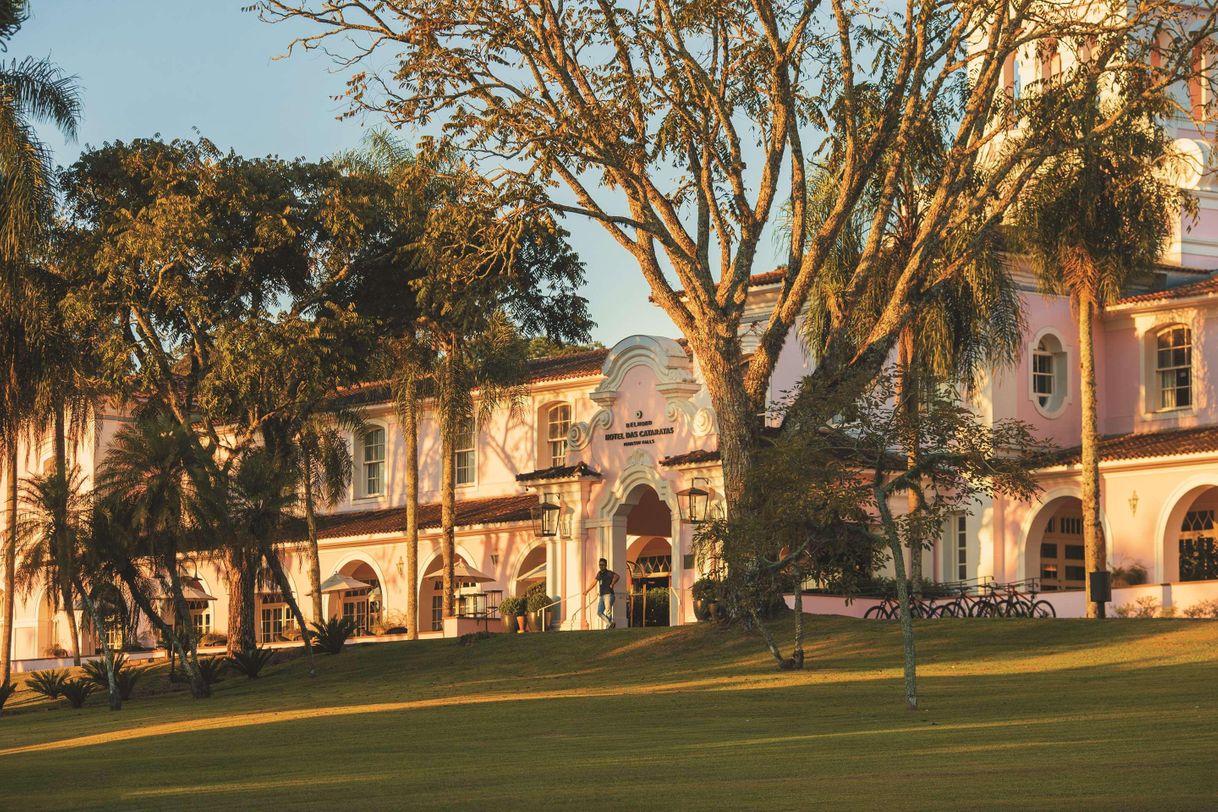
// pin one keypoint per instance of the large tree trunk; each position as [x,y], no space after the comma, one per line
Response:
[907,400]
[448,516]
[242,572]
[411,437]
[9,563]
[281,578]
[127,572]
[739,418]
[1095,557]
[314,556]
[904,597]
[116,698]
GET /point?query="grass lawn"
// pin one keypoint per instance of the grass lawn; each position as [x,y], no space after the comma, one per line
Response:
[1016,714]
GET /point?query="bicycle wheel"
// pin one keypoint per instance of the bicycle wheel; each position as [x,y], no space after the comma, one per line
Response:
[875,613]
[1043,609]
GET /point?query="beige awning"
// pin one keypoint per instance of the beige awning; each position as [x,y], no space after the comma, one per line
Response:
[192,590]
[341,583]
[464,572]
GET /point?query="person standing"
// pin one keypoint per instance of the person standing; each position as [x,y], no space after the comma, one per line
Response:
[604,582]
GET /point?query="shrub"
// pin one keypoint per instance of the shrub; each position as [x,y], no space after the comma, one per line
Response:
[7,689]
[1128,574]
[512,606]
[331,635]
[76,691]
[211,669]
[391,622]
[1142,607]
[537,599]
[473,637]
[251,662]
[56,651]
[1204,609]
[48,683]
[125,675]
[705,589]
[214,639]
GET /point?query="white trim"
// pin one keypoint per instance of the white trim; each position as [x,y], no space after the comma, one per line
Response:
[1067,379]
[1030,518]
[364,558]
[359,479]
[1162,524]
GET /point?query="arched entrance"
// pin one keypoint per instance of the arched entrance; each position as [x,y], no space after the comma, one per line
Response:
[431,594]
[362,604]
[648,559]
[649,577]
[274,617]
[531,571]
[1054,551]
[1190,544]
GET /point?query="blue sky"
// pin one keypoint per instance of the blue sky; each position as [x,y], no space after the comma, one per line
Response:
[171,66]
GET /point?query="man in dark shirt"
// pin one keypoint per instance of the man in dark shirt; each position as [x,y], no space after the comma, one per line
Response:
[604,581]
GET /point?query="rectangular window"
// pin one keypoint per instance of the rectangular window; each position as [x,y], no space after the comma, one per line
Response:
[374,462]
[276,618]
[1074,552]
[464,456]
[961,549]
[1048,550]
[355,607]
[1174,368]
[556,434]
[1076,573]
[200,616]
[1042,376]
[1071,526]
[437,613]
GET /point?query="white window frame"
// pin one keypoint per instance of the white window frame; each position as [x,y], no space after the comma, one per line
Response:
[1158,370]
[470,449]
[363,488]
[1059,375]
[556,435]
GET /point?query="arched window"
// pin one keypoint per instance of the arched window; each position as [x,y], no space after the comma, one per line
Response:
[1174,367]
[372,462]
[1011,80]
[1051,62]
[1049,375]
[558,423]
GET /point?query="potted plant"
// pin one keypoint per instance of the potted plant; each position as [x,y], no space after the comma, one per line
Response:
[704,591]
[538,600]
[507,611]
[522,614]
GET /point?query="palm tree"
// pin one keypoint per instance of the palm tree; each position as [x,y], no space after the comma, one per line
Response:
[157,475]
[476,371]
[411,360]
[323,460]
[30,91]
[53,509]
[1091,219]
[263,492]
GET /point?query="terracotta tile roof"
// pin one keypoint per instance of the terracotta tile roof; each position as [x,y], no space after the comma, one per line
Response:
[1202,288]
[691,457]
[580,469]
[768,278]
[1141,445]
[496,510]
[550,368]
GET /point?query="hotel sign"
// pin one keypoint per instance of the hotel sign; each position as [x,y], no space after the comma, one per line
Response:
[638,432]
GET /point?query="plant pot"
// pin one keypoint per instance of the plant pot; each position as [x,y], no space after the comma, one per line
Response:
[715,612]
[509,623]
[522,624]
[539,621]
[702,610]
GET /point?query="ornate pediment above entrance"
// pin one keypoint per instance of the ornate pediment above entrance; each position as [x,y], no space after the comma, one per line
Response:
[675,381]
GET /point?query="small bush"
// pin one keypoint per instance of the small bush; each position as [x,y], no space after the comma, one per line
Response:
[212,669]
[125,675]
[332,635]
[48,683]
[7,689]
[214,639]
[76,691]
[251,662]
[705,589]
[56,651]
[472,637]
[537,598]
[512,606]
[1142,607]
[1128,574]
[1204,609]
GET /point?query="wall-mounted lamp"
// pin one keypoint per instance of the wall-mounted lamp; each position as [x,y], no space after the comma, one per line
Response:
[545,517]
[693,501]
[401,566]
[1133,503]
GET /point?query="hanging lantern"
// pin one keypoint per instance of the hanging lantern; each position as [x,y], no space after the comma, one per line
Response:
[545,519]
[693,501]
